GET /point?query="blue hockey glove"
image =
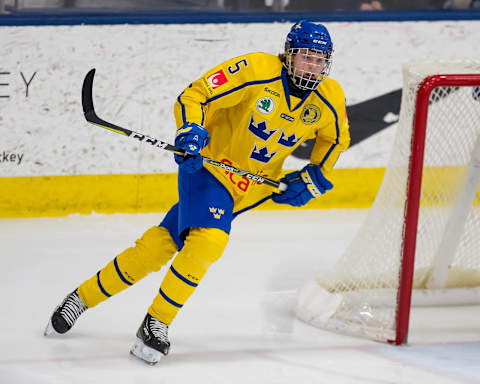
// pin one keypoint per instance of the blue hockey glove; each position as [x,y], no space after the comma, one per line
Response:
[192,137]
[302,186]
[189,163]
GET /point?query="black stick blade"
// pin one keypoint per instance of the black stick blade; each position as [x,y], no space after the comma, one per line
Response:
[89,110]
[87,92]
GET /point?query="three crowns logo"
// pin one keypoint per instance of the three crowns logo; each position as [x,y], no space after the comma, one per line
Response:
[217,212]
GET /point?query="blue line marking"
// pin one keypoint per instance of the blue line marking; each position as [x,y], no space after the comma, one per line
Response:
[261,201]
[248,83]
[184,279]
[286,90]
[184,116]
[175,304]
[120,273]
[48,16]
[203,114]
[101,286]
[336,127]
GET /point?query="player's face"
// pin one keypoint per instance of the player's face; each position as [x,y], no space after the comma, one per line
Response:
[309,63]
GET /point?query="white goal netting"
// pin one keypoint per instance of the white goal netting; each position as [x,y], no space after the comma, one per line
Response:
[359,296]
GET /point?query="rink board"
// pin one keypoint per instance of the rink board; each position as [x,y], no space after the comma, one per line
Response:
[135,193]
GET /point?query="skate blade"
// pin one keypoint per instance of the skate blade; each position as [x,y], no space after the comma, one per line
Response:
[146,354]
[49,330]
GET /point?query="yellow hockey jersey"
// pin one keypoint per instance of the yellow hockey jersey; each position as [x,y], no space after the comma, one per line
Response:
[254,123]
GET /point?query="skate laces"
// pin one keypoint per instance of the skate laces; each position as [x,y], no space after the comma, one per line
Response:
[159,329]
[72,308]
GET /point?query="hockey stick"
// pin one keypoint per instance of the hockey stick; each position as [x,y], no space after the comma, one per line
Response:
[91,117]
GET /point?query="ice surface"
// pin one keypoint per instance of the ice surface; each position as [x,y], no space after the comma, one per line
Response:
[239,325]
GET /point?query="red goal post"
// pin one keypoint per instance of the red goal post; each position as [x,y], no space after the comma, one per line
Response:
[414,186]
[421,233]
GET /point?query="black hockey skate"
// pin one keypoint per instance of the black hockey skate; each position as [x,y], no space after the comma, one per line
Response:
[65,314]
[152,341]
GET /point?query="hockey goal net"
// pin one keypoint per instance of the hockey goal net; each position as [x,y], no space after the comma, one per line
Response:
[423,230]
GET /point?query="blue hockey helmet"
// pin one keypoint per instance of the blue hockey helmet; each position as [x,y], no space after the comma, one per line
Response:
[308,39]
[306,34]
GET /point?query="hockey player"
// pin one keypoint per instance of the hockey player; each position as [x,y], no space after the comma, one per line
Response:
[251,112]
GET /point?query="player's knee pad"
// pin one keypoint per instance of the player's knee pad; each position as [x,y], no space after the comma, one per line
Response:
[203,246]
[153,250]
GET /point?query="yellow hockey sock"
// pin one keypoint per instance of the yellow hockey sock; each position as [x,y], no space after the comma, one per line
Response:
[203,246]
[153,250]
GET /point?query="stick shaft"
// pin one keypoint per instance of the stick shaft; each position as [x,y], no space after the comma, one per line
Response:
[92,117]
